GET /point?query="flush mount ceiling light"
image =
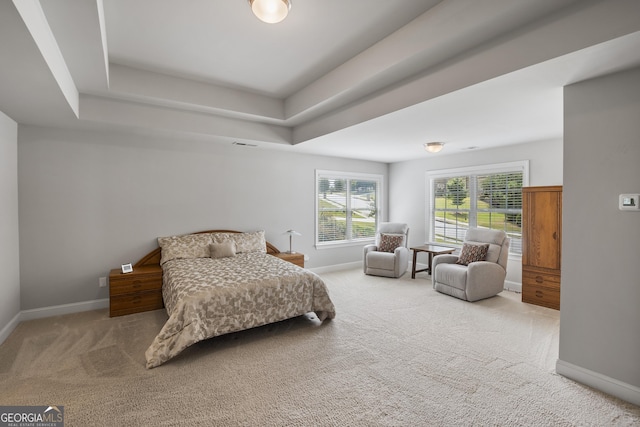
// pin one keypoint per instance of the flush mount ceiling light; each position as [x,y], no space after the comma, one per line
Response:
[433,147]
[270,11]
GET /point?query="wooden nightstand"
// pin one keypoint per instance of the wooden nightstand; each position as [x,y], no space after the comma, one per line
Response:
[135,292]
[294,258]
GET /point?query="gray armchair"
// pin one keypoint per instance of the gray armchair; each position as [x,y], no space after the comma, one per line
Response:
[478,280]
[389,256]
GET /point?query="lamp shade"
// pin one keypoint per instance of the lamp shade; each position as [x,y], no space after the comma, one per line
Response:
[270,11]
[433,147]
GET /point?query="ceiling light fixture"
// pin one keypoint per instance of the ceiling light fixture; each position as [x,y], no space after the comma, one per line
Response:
[270,11]
[433,147]
[243,144]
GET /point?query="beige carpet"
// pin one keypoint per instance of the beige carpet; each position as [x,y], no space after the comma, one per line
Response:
[397,354]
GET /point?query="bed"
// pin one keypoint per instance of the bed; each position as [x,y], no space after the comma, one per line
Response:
[221,281]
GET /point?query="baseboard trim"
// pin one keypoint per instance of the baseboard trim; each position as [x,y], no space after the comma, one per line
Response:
[513,286]
[9,327]
[336,267]
[624,391]
[57,310]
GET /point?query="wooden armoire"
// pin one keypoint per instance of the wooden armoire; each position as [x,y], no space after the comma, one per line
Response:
[541,244]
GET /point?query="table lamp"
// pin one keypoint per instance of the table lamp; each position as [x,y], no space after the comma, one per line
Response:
[291,233]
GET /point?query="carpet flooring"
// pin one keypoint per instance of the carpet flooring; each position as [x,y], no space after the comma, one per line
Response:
[397,354]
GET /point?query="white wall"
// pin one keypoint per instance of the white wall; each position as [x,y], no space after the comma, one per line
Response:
[9,239]
[407,186]
[600,297]
[91,201]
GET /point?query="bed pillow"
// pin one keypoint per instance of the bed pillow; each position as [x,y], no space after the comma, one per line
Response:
[389,242]
[223,250]
[188,246]
[472,253]
[245,242]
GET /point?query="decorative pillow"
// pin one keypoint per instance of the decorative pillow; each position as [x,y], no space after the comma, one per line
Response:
[472,253]
[389,242]
[245,242]
[188,246]
[222,250]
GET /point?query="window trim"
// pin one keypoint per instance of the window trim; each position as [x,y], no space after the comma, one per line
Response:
[495,168]
[330,174]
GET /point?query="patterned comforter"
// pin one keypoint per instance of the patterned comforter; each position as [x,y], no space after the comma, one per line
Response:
[207,297]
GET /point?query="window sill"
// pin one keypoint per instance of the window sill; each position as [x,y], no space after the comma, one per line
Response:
[322,246]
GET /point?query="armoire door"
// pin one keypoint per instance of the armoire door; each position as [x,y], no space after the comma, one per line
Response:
[542,208]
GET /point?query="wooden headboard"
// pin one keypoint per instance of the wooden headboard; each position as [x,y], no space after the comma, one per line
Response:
[153,257]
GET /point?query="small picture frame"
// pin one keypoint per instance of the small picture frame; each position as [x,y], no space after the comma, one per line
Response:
[127,268]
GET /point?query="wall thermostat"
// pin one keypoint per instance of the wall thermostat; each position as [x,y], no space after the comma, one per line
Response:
[629,202]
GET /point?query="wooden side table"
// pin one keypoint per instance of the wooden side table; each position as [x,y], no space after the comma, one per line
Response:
[135,292]
[432,250]
[294,258]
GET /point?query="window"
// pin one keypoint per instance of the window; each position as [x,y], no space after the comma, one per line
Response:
[347,207]
[485,197]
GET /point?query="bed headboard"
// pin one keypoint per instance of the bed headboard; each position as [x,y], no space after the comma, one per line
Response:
[153,257]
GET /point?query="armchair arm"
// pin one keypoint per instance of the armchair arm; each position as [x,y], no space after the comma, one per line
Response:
[402,259]
[443,259]
[487,268]
[367,249]
[484,279]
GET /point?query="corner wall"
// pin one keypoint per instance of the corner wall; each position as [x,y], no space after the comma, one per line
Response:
[9,237]
[600,299]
